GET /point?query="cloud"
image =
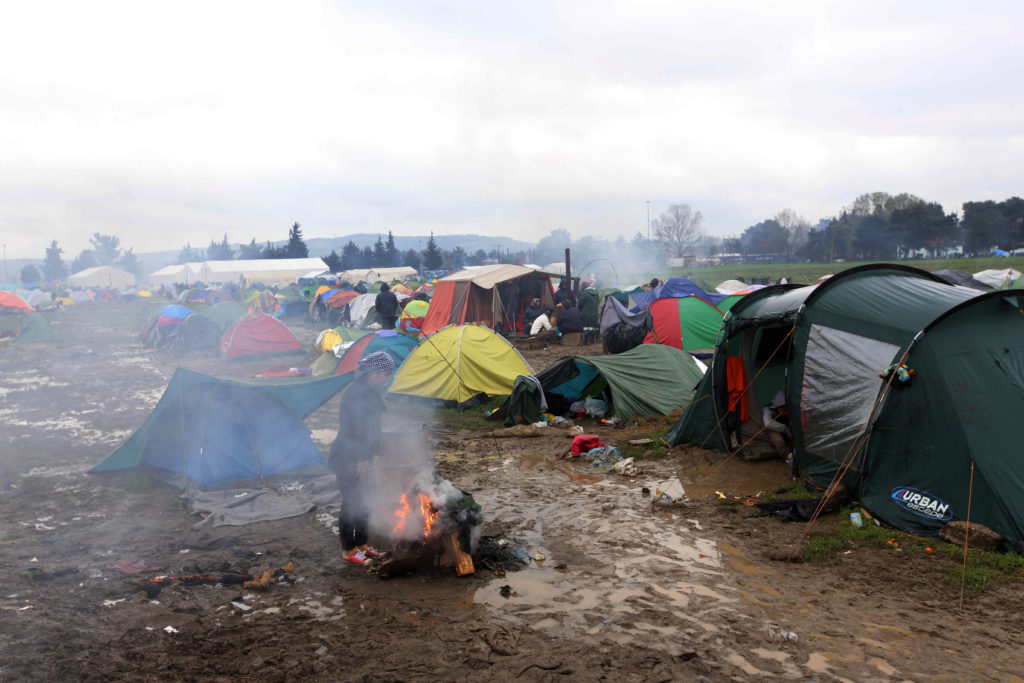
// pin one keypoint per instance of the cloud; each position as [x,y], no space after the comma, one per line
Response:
[162,124]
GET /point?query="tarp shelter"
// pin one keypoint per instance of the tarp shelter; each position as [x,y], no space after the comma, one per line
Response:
[396,344]
[650,380]
[673,288]
[690,323]
[999,279]
[195,333]
[267,271]
[12,303]
[458,362]
[959,277]
[215,431]
[494,295]
[904,448]
[225,314]
[258,334]
[101,276]
[622,329]
[34,328]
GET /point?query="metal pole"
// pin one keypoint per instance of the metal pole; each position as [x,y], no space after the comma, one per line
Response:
[5,262]
[648,220]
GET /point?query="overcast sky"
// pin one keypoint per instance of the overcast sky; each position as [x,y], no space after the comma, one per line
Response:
[167,123]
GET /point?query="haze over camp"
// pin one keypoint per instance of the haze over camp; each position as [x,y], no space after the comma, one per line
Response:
[447,341]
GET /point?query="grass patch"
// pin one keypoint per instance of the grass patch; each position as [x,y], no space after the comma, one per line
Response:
[793,490]
[984,567]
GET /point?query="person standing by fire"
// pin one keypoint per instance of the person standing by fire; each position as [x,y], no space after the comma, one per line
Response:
[353,450]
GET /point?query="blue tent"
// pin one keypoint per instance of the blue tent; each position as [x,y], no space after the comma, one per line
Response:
[215,431]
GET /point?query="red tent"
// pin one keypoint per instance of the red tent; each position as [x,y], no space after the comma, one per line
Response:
[10,302]
[258,334]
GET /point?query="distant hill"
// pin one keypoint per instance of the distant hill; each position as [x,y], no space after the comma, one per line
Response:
[322,246]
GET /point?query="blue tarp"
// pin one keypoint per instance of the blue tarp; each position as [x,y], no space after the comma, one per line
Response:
[674,288]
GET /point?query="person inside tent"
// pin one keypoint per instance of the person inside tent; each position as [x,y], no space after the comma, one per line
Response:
[353,450]
[386,304]
[776,422]
[531,313]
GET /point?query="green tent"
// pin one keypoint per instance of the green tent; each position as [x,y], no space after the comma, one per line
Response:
[649,380]
[911,450]
[34,328]
[225,314]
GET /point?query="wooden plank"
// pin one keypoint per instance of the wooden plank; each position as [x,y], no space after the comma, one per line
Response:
[463,561]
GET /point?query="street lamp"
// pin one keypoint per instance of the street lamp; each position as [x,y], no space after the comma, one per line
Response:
[648,220]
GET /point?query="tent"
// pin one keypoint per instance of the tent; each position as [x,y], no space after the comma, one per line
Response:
[361,311]
[397,344]
[689,323]
[650,380]
[101,276]
[225,314]
[377,274]
[12,303]
[494,295]
[258,334]
[413,315]
[195,333]
[267,271]
[458,362]
[214,431]
[34,328]
[911,450]
[999,279]
[159,327]
[958,277]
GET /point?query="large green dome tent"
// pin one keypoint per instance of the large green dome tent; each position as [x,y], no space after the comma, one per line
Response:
[911,451]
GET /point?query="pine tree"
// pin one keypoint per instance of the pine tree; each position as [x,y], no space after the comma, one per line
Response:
[432,255]
[130,262]
[333,261]
[54,267]
[393,256]
[30,274]
[86,259]
[380,256]
[296,247]
[351,257]
[251,251]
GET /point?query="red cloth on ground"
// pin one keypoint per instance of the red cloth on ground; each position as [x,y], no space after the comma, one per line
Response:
[582,443]
[736,383]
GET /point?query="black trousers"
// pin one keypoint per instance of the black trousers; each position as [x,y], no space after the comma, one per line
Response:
[354,518]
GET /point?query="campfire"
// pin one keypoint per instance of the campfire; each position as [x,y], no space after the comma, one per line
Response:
[427,519]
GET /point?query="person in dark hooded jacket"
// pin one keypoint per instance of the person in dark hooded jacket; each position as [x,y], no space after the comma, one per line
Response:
[386,304]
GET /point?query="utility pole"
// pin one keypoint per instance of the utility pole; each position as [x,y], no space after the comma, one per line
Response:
[5,262]
[648,220]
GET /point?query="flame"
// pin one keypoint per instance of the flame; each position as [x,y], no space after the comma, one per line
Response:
[428,512]
[401,514]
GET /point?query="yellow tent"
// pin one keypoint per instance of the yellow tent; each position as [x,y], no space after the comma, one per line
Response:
[458,362]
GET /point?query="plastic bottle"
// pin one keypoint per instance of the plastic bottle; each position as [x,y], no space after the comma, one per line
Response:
[608,506]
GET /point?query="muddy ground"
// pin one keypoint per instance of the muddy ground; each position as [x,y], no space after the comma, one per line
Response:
[633,593]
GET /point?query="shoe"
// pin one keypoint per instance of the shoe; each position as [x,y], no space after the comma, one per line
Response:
[357,558]
[372,552]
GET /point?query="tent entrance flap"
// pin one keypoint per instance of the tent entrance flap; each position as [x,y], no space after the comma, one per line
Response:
[840,385]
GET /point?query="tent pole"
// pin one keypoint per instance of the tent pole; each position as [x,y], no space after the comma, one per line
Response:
[967,534]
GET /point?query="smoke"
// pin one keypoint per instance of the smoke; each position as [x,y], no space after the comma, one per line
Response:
[406,499]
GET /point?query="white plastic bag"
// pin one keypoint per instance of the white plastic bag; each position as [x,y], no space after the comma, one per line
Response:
[595,407]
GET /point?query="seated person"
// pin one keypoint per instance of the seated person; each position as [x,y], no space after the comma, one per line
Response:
[776,422]
[531,313]
[569,319]
[542,326]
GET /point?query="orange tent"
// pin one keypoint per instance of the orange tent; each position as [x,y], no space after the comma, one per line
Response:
[11,303]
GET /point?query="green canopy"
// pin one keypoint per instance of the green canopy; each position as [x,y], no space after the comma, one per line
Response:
[34,328]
